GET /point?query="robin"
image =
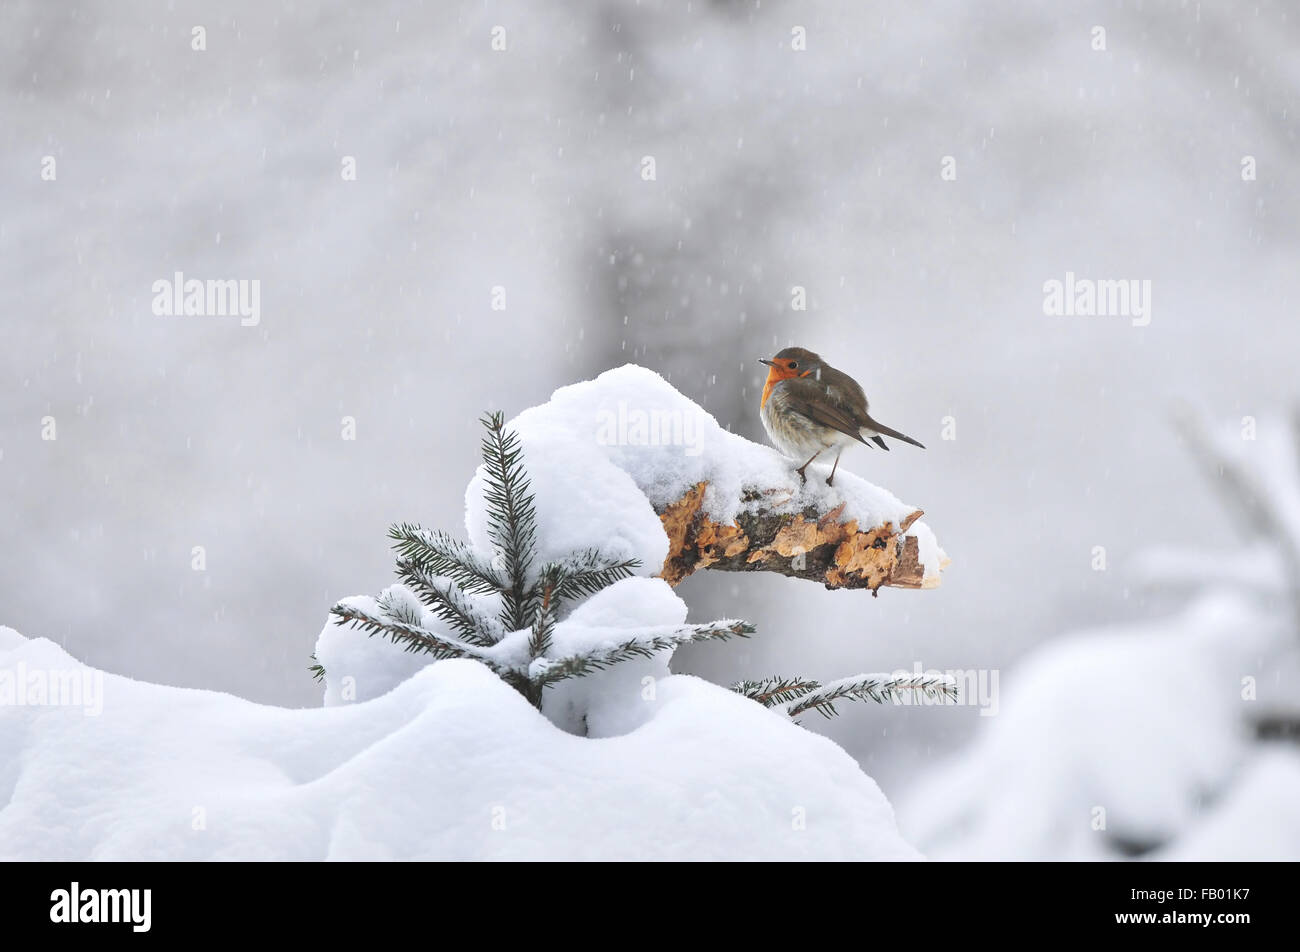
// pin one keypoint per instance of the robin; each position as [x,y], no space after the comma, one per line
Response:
[809,407]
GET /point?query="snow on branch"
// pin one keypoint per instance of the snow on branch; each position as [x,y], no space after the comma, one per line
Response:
[796,696]
[1260,491]
[872,687]
[547,672]
[628,463]
[411,635]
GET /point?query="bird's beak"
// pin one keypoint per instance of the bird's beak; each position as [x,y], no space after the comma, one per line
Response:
[764,360]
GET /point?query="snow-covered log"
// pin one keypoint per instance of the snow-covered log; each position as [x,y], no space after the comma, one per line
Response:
[809,543]
[627,461]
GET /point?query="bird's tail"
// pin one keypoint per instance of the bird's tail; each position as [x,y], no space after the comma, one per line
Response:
[888,431]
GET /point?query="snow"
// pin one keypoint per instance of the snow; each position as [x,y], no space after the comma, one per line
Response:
[360,667]
[651,601]
[1143,739]
[449,764]
[1143,723]
[612,702]
[635,443]
[1256,820]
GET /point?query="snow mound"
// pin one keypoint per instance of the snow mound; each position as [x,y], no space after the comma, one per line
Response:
[451,764]
[1108,743]
[1257,820]
[602,455]
[361,667]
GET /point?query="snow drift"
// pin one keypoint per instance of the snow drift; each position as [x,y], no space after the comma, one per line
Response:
[1108,743]
[451,764]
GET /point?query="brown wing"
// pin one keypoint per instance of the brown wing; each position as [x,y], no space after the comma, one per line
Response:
[815,401]
[838,382]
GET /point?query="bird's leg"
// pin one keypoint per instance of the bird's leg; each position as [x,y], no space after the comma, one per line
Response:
[802,477]
[830,480]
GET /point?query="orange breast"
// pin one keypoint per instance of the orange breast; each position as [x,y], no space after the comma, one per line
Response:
[773,378]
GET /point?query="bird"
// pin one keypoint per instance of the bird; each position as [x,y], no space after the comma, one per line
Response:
[808,408]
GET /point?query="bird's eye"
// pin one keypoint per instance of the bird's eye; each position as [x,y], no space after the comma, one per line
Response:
[794,364]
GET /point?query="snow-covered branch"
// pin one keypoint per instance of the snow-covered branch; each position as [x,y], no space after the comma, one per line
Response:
[628,463]
[872,687]
[797,696]
[1261,496]
[412,636]
[814,542]
[547,672]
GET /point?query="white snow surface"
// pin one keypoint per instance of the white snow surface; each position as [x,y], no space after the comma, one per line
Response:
[1146,724]
[450,764]
[1256,820]
[360,667]
[602,454]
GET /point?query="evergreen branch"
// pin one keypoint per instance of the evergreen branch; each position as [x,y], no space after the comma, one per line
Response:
[410,637]
[548,599]
[439,554]
[400,609]
[512,518]
[317,670]
[588,572]
[546,672]
[871,687]
[447,602]
[774,690]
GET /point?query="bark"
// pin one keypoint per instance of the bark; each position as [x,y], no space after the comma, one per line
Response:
[811,545]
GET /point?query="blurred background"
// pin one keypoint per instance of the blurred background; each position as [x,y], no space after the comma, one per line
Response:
[795,144]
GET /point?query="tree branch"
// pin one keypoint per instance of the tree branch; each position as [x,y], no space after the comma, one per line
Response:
[1255,504]
[808,544]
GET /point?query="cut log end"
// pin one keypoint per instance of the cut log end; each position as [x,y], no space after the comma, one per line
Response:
[811,545]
